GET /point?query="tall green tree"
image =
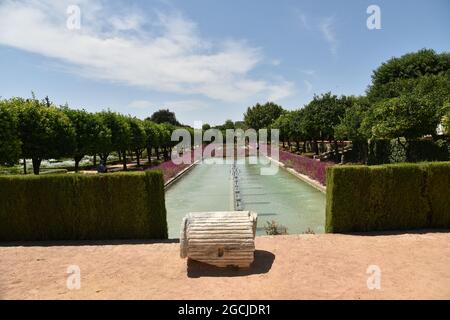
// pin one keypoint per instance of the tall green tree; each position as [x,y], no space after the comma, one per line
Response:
[10,144]
[89,134]
[46,132]
[120,133]
[138,140]
[406,116]
[321,116]
[396,76]
[284,124]
[164,116]
[262,116]
[152,133]
[421,78]
[166,142]
[350,125]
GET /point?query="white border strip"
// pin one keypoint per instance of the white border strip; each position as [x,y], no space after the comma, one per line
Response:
[178,175]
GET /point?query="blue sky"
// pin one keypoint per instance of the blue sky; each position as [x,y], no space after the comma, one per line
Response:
[206,60]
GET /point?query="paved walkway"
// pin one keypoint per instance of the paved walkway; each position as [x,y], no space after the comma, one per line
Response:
[413,266]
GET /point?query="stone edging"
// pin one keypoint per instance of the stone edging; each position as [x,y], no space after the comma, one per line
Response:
[178,175]
[315,184]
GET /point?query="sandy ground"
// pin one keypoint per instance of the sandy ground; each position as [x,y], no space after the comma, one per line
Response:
[413,266]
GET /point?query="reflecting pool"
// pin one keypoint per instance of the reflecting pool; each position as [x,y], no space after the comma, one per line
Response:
[281,197]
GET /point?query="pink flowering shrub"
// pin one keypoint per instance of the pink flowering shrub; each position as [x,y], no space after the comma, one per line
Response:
[312,168]
[170,169]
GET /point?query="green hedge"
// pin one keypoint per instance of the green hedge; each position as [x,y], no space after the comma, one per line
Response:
[383,151]
[83,207]
[388,197]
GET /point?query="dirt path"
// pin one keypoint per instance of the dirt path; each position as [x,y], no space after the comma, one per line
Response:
[412,266]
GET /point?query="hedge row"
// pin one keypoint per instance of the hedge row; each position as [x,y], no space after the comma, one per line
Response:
[385,151]
[388,197]
[83,207]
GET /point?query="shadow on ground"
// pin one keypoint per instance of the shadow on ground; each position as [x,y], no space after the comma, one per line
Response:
[262,264]
[396,232]
[63,243]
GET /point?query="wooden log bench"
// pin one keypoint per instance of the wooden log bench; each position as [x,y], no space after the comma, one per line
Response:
[219,238]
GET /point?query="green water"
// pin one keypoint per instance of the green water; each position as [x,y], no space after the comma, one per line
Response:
[280,197]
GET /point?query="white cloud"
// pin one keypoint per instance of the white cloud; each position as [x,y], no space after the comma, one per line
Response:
[328,31]
[131,22]
[281,91]
[304,21]
[276,62]
[166,54]
[309,72]
[308,85]
[186,105]
[176,105]
[141,104]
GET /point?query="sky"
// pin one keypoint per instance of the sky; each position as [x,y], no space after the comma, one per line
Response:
[205,60]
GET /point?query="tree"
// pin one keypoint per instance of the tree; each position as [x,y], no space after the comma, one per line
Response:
[164,116]
[206,126]
[89,133]
[262,116]
[350,125]
[284,124]
[152,133]
[138,141]
[406,116]
[166,142]
[45,131]
[10,144]
[321,116]
[396,76]
[103,143]
[228,125]
[421,78]
[120,133]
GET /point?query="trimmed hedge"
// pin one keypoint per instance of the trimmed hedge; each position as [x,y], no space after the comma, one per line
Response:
[83,207]
[383,151]
[388,197]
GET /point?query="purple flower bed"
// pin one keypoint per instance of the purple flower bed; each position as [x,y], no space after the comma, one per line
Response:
[170,169]
[312,168]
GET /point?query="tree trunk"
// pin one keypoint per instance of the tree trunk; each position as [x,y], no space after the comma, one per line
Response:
[95,159]
[77,163]
[157,153]
[149,155]
[316,147]
[124,160]
[304,147]
[24,166]
[104,157]
[36,165]
[138,158]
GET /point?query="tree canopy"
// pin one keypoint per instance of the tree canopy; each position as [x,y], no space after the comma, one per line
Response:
[164,116]
[262,115]
[10,143]
[45,132]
